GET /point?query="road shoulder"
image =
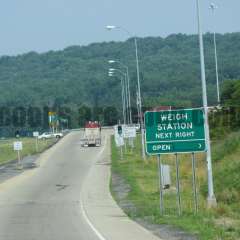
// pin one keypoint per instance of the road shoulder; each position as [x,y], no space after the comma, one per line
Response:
[102,213]
[15,177]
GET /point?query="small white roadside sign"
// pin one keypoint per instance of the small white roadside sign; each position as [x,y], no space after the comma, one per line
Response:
[17,146]
[119,140]
[129,132]
[35,134]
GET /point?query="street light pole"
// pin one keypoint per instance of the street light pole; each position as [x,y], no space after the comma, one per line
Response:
[126,98]
[124,87]
[140,101]
[211,197]
[129,97]
[111,74]
[123,100]
[213,7]
[138,86]
[128,87]
[138,111]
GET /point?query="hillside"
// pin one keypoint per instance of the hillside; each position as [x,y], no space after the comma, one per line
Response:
[77,75]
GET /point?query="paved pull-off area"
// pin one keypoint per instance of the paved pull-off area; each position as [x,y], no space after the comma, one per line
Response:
[66,197]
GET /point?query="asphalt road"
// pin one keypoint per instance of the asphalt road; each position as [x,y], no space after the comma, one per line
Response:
[44,203]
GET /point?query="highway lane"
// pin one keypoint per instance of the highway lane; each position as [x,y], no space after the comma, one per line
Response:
[44,204]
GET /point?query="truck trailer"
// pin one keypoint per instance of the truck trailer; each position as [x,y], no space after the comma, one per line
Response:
[92,134]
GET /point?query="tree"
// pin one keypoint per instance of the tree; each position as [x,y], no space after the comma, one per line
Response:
[85,114]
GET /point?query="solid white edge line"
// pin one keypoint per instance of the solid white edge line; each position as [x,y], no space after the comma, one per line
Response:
[97,233]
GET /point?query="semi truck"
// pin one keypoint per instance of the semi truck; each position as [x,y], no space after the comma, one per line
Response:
[92,134]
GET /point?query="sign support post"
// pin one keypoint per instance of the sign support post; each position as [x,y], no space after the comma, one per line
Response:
[19,159]
[194,183]
[179,203]
[160,184]
[36,134]
[36,144]
[121,152]
[17,146]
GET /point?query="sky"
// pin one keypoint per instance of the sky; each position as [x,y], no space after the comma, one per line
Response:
[44,25]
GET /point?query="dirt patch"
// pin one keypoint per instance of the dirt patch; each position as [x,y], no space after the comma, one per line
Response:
[227,223]
[120,190]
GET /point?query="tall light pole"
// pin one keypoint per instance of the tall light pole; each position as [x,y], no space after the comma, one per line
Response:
[128,87]
[211,196]
[137,104]
[111,27]
[111,74]
[213,7]
[125,92]
[111,71]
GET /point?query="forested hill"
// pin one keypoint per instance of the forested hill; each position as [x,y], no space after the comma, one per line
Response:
[170,72]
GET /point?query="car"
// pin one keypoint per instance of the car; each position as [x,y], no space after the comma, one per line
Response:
[48,135]
[45,135]
[58,135]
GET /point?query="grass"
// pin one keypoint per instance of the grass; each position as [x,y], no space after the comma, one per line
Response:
[29,148]
[142,177]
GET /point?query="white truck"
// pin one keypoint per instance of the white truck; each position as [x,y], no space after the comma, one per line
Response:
[92,135]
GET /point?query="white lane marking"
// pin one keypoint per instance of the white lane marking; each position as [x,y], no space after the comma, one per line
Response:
[98,234]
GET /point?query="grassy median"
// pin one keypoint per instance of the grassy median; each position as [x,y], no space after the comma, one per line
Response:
[29,148]
[143,196]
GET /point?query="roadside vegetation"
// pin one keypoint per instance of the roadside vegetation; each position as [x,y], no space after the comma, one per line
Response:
[29,148]
[141,201]
[62,78]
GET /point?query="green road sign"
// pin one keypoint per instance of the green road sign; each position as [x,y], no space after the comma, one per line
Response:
[175,131]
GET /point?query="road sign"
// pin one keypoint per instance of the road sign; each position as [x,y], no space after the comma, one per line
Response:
[118,136]
[119,127]
[129,131]
[166,176]
[17,146]
[175,131]
[35,134]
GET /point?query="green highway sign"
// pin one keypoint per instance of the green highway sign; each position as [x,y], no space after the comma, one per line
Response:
[175,131]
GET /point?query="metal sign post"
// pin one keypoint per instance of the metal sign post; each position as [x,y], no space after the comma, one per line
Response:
[36,134]
[19,158]
[179,203]
[17,146]
[36,144]
[160,184]
[194,183]
[121,153]
[132,143]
